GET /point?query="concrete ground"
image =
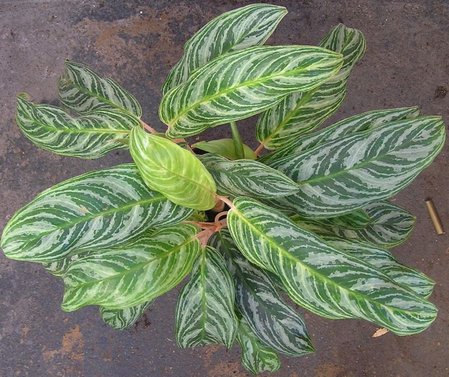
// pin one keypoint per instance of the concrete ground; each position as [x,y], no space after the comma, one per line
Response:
[136,42]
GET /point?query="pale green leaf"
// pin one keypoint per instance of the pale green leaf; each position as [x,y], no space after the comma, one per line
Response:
[205,308]
[225,148]
[133,273]
[243,83]
[101,208]
[231,31]
[323,279]
[121,319]
[172,170]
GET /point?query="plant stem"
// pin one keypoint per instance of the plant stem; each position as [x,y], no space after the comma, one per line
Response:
[259,149]
[238,144]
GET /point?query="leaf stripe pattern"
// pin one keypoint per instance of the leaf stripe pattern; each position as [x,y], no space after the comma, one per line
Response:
[120,319]
[247,178]
[299,113]
[90,136]
[321,278]
[356,123]
[172,170]
[380,258]
[101,208]
[256,357]
[85,92]
[205,308]
[342,175]
[133,273]
[243,83]
[232,31]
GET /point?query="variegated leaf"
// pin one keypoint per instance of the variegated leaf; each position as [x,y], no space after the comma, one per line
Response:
[380,258]
[101,208]
[323,279]
[133,273]
[225,148]
[247,178]
[231,31]
[388,225]
[299,113]
[90,136]
[121,319]
[356,123]
[345,174]
[84,91]
[172,170]
[243,83]
[256,357]
[205,308]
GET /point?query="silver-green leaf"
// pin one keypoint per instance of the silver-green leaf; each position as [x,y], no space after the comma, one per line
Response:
[98,209]
[120,319]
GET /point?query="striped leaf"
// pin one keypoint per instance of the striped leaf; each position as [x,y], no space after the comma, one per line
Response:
[205,308]
[299,113]
[388,225]
[134,273]
[345,174]
[225,148]
[323,279]
[120,319]
[247,178]
[256,357]
[90,136]
[231,31]
[357,123]
[172,170]
[385,262]
[85,92]
[98,209]
[243,83]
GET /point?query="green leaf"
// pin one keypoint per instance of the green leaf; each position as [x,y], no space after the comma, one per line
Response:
[256,357]
[225,148]
[247,178]
[273,322]
[121,319]
[342,175]
[388,225]
[85,92]
[299,113]
[243,83]
[357,123]
[90,136]
[323,279]
[205,308]
[382,259]
[133,273]
[231,31]
[172,170]
[101,208]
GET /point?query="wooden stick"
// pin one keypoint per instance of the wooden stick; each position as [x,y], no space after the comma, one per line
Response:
[434,217]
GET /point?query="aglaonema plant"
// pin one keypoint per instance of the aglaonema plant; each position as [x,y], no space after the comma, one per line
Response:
[304,216]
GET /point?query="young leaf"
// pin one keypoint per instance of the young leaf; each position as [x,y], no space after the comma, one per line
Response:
[225,148]
[345,174]
[247,178]
[256,357]
[98,209]
[382,259]
[231,31]
[323,279]
[120,319]
[357,123]
[172,170]
[205,308]
[299,113]
[243,83]
[90,136]
[133,273]
[85,92]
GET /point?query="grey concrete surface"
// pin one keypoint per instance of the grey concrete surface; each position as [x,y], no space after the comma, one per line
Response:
[136,42]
